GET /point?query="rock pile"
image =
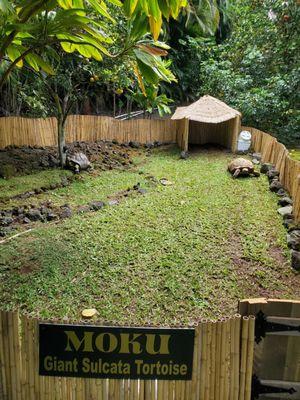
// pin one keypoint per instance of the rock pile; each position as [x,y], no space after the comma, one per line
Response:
[286,211]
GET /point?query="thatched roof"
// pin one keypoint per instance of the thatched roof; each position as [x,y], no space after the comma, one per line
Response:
[207,109]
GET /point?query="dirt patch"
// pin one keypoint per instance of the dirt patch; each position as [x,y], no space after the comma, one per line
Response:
[28,159]
[255,278]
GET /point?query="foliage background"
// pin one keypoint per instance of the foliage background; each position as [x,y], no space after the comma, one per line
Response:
[245,52]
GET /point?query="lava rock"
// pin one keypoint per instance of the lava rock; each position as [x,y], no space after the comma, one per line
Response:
[184,155]
[282,193]
[285,211]
[66,212]
[266,167]
[97,205]
[255,161]
[289,223]
[149,145]
[257,156]
[272,173]
[6,221]
[134,145]
[285,201]
[293,240]
[142,191]
[34,215]
[26,220]
[275,185]
[51,216]
[5,231]
[295,260]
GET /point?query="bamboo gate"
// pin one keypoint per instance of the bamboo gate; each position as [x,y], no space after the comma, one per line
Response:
[20,131]
[222,367]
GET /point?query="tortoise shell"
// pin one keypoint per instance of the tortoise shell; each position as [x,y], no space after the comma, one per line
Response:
[240,163]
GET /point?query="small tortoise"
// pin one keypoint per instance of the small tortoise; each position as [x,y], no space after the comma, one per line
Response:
[78,162]
[242,167]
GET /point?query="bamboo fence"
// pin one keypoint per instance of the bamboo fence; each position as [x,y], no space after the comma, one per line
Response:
[276,153]
[20,131]
[222,367]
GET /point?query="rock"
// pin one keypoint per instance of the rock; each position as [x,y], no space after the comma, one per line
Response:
[285,201]
[149,145]
[26,220]
[6,221]
[134,145]
[266,167]
[165,182]
[282,193]
[7,171]
[157,143]
[114,141]
[66,212]
[64,181]
[255,161]
[34,215]
[293,240]
[136,187]
[142,191]
[295,260]
[51,216]
[89,312]
[96,205]
[275,186]
[113,202]
[285,211]
[257,156]
[272,173]
[5,231]
[184,155]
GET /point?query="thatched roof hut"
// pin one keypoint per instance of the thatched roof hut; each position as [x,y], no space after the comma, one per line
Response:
[208,120]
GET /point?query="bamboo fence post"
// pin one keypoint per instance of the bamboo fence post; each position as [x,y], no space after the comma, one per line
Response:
[12,361]
[250,355]
[244,352]
[203,359]
[213,361]
[218,360]
[236,356]
[2,358]
[17,352]
[195,375]
[223,359]
[209,331]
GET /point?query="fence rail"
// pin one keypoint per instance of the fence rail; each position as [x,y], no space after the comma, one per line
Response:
[222,367]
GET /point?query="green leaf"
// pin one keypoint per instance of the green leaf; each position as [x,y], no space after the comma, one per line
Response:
[101,8]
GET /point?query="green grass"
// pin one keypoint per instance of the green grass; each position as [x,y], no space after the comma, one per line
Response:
[21,184]
[295,154]
[174,255]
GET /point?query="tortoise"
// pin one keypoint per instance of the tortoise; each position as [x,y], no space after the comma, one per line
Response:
[242,167]
[78,162]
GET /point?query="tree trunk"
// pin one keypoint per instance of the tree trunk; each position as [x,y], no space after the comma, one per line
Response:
[61,141]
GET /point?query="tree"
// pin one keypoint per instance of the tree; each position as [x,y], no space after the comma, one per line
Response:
[29,30]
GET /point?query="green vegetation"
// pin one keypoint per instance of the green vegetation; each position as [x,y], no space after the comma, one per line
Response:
[21,184]
[173,255]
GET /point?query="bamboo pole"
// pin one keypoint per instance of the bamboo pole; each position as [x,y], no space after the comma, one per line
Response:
[244,352]
[218,360]
[213,360]
[236,356]
[250,354]
[2,357]
[203,359]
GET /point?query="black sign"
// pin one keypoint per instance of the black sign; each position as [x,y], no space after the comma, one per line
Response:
[119,353]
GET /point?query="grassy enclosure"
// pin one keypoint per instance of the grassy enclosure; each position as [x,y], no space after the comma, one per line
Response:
[172,255]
